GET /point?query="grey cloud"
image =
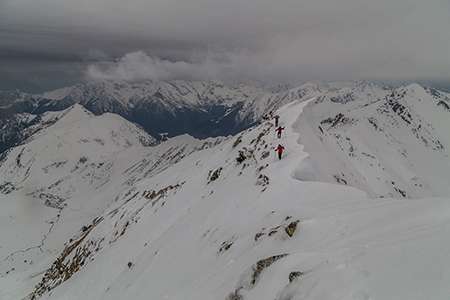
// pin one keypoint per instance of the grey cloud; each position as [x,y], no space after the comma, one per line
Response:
[200,39]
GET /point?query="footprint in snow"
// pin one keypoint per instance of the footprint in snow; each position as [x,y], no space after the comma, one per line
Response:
[348,243]
[342,266]
[357,255]
[346,250]
[359,295]
[360,274]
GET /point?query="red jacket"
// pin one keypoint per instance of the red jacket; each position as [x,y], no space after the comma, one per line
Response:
[279,129]
[280,149]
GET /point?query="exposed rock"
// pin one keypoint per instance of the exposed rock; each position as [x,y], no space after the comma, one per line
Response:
[252,278]
[225,246]
[265,154]
[237,142]
[294,275]
[290,229]
[263,180]
[258,235]
[234,296]
[214,174]
[264,263]
[241,157]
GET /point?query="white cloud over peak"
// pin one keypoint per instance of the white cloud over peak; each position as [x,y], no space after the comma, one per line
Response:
[138,66]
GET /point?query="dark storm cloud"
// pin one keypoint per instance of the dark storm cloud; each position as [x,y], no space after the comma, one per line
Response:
[26,56]
[201,39]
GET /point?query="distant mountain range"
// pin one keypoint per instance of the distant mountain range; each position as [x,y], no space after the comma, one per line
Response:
[163,109]
[167,109]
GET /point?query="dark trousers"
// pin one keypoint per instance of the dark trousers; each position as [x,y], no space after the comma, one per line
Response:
[279,155]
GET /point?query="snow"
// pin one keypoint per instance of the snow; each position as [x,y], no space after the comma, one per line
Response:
[58,94]
[50,168]
[166,229]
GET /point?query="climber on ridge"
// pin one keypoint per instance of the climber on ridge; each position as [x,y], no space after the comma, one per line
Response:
[280,149]
[279,129]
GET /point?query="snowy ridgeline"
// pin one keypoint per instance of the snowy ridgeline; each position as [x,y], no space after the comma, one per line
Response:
[357,208]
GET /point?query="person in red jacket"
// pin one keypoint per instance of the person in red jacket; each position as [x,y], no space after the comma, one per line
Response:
[279,130]
[280,149]
[276,120]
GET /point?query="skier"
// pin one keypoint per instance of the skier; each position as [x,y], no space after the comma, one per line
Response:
[276,120]
[279,129]
[280,150]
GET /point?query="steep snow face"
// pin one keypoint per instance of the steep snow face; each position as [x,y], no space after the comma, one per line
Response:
[225,219]
[395,146]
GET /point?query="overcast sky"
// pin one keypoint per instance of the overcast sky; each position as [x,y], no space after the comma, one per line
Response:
[47,44]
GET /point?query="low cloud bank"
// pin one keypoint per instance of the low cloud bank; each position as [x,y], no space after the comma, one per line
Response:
[138,66]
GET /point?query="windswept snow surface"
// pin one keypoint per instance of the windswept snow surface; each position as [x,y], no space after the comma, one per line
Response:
[207,220]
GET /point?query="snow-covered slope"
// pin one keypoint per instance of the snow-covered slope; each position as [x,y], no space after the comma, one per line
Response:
[74,139]
[224,219]
[397,147]
[71,151]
